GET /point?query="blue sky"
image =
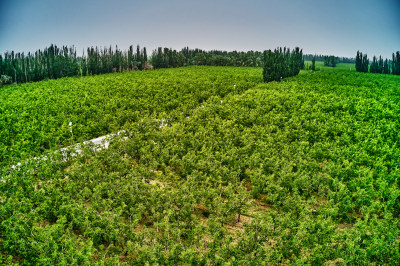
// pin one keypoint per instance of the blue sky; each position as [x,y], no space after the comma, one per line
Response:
[339,27]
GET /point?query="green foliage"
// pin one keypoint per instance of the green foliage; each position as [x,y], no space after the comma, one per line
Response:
[35,116]
[298,172]
[362,62]
[313,64]
[386,69]
[396,63]
[54,62]
[330,61]
[4,80]
[378,65]
[281,63]
[321,58]
[169,58]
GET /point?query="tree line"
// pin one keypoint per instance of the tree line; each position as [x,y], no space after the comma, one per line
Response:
[108,60]
[166,58]
[322,58]
[378,65]
[362,62]
[57,62]
[330,61]
[282,63]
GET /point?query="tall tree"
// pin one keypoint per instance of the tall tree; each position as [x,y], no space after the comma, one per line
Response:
[386,69]
[358,61]
[281,63]
[138,58]
[380,65]
[374,65]
[396,63]
[130,58]
[365,63]
[144,54]
[313,64]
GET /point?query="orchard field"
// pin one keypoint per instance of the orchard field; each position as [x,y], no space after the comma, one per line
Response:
[303,171]
[35,116]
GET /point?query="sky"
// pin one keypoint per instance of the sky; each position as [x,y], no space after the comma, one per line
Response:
[328,27]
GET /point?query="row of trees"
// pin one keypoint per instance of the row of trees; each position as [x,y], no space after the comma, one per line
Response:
[108,60]
[362,62]
[52,62]
[322,58]
[57,62]
[282,63]
[378,65]
[330,61]
[166,58]
[396,63]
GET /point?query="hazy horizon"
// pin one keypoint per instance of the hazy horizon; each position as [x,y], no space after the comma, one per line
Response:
[330,27]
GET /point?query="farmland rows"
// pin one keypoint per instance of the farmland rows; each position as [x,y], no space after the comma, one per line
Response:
[35,116]
[304,171]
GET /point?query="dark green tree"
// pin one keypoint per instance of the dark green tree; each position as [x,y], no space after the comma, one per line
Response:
[386,69]
[380,65]
[358,61]
[131,59]
[326,61]
[313,64]
[139,58]
[374,65]
[144,54]
[333,61]
[330,61]
[365,63]
[281,63]
[396,63]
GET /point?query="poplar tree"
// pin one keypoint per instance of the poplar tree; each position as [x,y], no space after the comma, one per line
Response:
[380,65]
[144,54]
[1,65]
[138,58]
[313,64]
[396,63]
[365,63]
[281,63]
[386,69]
[326,60]
[374,65]
[394,69]
[302,59]
[130,58]
[333,61]
[358,61]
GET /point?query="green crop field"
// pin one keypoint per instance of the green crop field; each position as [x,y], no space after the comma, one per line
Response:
[303,171]
[35,116]
[340,66]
